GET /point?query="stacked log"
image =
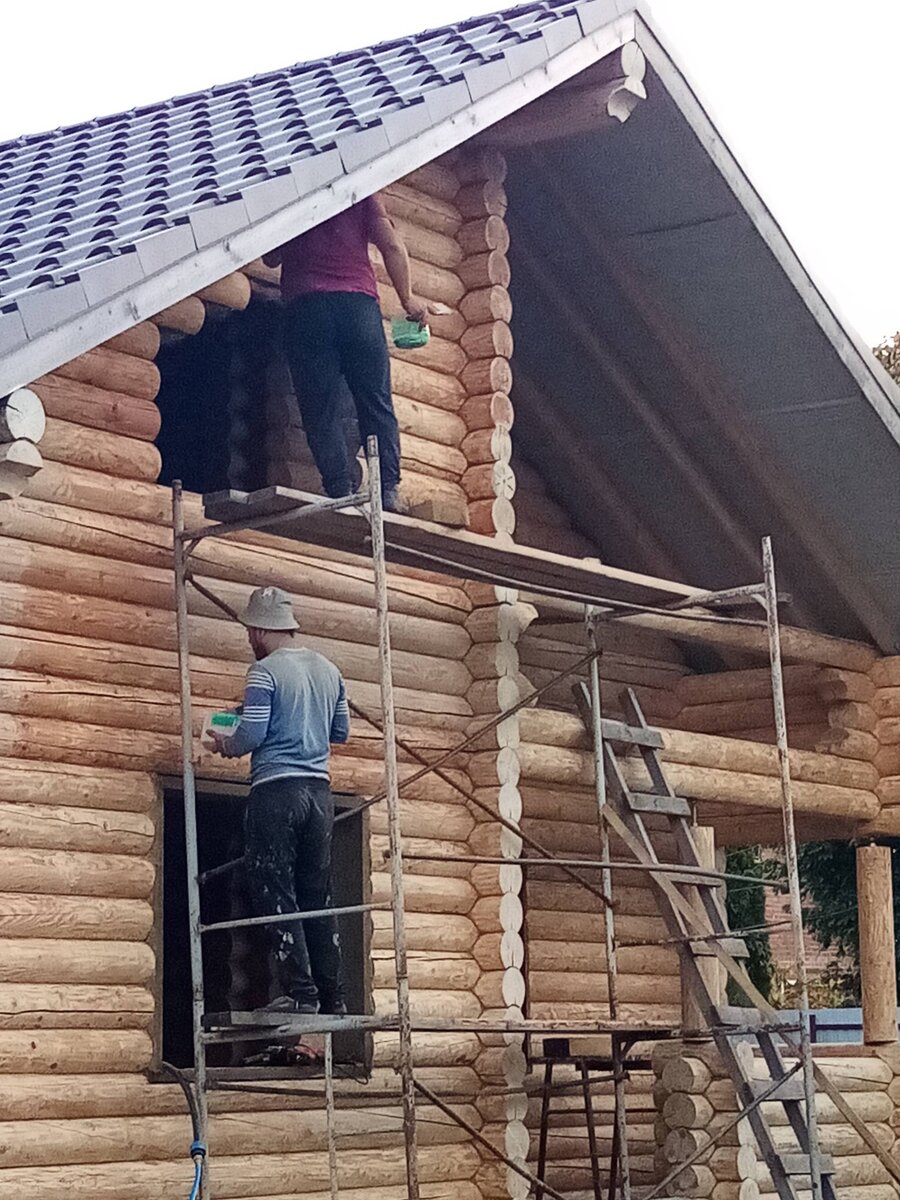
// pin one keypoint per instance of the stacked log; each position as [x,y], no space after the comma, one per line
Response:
[568,1168]
[831,710]
[495,625]
[885,678]
[428,392]
[704,767]
[489,482]
[695,1099]
[865,1083]
[22,425]
[90,694]
[649,664]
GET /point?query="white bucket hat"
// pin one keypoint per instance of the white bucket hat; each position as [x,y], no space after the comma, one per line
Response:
[269,608]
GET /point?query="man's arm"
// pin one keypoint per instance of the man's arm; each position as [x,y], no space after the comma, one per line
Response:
[340,722]
[396,261]
[255,714]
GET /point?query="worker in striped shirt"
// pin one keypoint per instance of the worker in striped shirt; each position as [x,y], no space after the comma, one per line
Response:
[295,706]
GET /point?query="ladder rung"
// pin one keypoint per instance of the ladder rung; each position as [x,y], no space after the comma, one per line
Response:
[653,802]
[789,1089]
[734,946]
[632,735]
[798,1164]
[750,1018]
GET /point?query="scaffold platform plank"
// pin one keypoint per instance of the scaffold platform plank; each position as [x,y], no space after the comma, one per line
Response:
[261,1022]
[413,542]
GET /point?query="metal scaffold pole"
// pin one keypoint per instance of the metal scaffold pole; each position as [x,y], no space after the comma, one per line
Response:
[190,822]
[793,872]
[392,801]
[619,1165]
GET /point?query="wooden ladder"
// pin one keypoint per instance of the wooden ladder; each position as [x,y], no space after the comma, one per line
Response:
[694,913]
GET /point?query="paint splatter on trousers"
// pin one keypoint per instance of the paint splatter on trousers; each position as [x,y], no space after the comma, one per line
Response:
[287,832]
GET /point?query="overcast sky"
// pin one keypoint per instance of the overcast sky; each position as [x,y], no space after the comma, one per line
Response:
[804,91]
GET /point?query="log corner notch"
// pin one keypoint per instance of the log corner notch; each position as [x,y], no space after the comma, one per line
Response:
[602,96]
[22,425]
[488,482]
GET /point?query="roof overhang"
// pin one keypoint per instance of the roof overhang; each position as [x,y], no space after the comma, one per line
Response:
[601,27]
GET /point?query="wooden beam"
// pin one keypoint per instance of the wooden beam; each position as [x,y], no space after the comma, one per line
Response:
[568,113]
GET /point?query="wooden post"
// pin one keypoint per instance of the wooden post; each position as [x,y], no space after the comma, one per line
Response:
[877,956]
[693,1017]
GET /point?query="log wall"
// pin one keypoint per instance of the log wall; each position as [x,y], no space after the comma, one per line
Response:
[885,676]
[89,722]
[695,1098]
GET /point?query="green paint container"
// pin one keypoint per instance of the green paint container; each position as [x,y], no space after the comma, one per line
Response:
[219,722]
[409,335]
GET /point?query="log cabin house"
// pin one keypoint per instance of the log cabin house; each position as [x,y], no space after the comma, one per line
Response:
[634,368]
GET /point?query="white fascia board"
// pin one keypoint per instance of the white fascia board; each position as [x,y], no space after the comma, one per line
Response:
[199,270]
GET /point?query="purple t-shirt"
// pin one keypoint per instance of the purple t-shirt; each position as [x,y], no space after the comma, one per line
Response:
[333,256]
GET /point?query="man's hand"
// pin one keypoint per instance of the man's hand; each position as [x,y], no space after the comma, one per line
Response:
[217,742]
[418,310]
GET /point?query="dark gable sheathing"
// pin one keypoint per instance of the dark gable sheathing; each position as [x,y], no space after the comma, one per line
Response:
[650,190]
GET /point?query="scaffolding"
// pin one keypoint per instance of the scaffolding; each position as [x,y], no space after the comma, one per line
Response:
[358,523]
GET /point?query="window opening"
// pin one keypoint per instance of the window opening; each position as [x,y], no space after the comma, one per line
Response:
[238,968]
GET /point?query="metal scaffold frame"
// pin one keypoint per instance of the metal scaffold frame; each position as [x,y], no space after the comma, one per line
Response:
[623,1033]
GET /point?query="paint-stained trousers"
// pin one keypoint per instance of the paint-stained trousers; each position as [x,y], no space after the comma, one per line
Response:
[287,835]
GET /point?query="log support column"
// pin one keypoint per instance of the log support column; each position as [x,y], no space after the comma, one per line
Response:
[693,1020]
[877,954]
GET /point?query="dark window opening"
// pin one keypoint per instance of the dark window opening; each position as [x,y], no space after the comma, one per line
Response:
[229,415]
[213,399]
[238,968]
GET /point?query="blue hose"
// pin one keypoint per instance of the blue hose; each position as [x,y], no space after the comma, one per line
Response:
[198,1153]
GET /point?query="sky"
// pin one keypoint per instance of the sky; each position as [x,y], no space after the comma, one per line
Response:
[804,92]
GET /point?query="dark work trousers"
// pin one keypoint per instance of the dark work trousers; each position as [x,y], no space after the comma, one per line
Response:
[287,833]
[333,338]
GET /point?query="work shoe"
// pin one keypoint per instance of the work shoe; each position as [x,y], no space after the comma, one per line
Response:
[356,476]
[333,1010]
[287,1004]
[276,1055]
[393,502]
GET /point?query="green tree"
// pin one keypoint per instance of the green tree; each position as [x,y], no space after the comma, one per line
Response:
[746,908]
[888,354]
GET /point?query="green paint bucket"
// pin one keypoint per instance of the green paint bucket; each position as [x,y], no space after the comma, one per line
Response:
[409,335]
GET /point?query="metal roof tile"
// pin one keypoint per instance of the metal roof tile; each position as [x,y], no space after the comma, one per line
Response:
[45,308]
[106,279]
[192,169]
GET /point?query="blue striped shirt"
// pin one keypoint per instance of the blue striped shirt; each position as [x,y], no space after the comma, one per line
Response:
[295,706]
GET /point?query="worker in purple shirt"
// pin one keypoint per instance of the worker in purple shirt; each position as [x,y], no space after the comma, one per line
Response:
[334,335]
[295,707]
